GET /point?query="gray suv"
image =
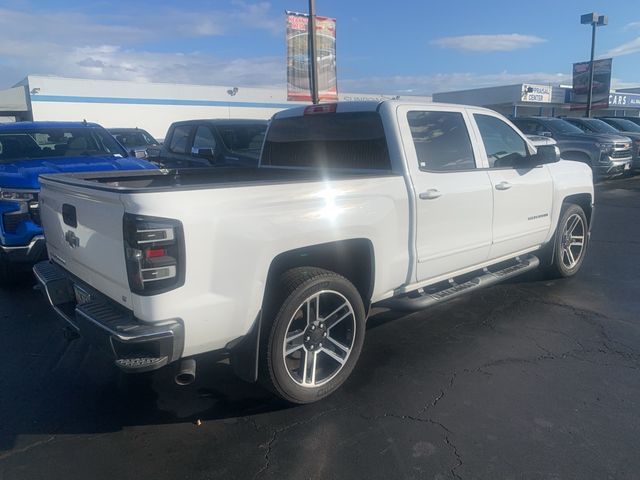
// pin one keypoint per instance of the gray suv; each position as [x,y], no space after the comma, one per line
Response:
[608,155]
[615,127]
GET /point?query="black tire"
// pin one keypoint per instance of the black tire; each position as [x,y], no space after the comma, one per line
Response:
[296,286]
[561,264]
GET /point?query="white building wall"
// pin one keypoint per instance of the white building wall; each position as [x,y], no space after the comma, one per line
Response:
[153,106]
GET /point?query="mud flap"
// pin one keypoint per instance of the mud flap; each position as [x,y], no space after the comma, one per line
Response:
[245,352]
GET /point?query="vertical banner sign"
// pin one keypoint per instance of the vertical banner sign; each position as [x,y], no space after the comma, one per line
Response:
[298,64]
[601,84]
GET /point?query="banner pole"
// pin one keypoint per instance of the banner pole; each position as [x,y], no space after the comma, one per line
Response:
[590,95]
[313,54]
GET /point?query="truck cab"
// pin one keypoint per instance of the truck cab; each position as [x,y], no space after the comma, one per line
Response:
[207,143]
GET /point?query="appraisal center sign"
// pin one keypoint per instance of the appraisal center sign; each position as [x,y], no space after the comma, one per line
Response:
[536,93]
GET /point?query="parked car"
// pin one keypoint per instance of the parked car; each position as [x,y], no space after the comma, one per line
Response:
[597,125]
[353,205]
[29,149]
[635,120]
[205,143]
[135,140]
[607,155]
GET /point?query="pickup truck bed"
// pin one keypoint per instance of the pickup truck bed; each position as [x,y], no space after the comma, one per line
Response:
[203,178]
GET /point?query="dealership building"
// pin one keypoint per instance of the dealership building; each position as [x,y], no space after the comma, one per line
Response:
[152,106]
[536,99]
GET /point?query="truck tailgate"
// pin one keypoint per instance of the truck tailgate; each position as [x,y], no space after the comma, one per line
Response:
[84,231]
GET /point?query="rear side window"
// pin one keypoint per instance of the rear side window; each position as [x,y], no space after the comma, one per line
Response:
[352,140]
[441,140]
[180,139]
[504,147]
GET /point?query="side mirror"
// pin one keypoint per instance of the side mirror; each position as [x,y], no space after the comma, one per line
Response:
[153,152]
[139,153]
[546,154]
[546,134]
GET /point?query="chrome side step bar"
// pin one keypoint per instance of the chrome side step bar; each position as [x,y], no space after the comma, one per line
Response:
[428,296]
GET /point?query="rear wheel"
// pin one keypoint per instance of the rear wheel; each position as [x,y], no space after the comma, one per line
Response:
[571,241]
[316,336]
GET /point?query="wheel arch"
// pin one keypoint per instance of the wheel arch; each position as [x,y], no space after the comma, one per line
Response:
[584,201]
[354,259]
[577,155]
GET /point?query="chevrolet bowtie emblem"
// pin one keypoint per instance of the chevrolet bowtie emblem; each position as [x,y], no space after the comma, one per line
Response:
[72,239]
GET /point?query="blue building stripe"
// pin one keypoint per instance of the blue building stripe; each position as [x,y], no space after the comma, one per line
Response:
[156,101]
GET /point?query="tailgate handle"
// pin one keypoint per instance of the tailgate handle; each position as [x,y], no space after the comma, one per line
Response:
[69,215]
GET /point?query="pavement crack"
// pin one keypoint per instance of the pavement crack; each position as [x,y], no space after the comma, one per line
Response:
[270,443]
[454,449]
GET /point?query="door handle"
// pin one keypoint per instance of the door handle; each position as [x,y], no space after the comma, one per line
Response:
[503,186]
[430,194]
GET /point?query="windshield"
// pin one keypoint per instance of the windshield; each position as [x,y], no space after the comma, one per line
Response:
[625,125]
[133,138]
[599,126]
[560,126]
[57,142]
[243,139]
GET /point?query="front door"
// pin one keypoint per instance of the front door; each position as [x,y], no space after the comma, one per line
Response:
[453,198]
[522,192]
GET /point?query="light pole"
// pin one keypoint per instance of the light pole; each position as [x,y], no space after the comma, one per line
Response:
[595,20]
[313,54]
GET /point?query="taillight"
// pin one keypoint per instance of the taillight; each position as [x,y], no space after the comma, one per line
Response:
[154,252]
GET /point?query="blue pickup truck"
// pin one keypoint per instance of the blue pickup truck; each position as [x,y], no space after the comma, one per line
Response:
[29,149]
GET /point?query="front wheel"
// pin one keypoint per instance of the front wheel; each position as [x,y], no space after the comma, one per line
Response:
[571,240]
[316,336]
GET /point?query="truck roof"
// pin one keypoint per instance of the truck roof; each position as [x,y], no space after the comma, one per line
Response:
[221,121]
[8,127]
[371,106]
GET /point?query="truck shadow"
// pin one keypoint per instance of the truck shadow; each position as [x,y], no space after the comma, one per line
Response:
[55,387]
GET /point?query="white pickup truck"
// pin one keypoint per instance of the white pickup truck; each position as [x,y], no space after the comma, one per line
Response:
[275,268]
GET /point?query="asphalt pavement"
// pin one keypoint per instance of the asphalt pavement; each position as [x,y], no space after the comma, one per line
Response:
[533,379]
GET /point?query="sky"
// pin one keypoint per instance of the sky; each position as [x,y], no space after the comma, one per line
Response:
[403,47]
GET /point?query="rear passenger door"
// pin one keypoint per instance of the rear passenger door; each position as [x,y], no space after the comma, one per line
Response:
[522,193]
[453,197]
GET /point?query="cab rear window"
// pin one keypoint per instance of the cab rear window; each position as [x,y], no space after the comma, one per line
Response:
[350,140]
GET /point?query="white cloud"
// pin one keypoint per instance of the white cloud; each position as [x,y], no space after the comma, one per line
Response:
[625,49]
[117,63]
[72,43]
[632,25]
[489,43]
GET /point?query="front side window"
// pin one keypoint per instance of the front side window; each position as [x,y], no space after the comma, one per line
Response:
[441,141]
[204,139]
[180,139]
[504,147]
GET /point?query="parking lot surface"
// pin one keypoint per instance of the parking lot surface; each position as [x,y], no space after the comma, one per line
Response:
[533,379]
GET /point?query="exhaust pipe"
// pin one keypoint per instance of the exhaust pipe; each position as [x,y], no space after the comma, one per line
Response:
[187,372]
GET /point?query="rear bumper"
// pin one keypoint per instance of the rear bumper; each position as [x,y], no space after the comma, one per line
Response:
[134,345]
[31,253]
